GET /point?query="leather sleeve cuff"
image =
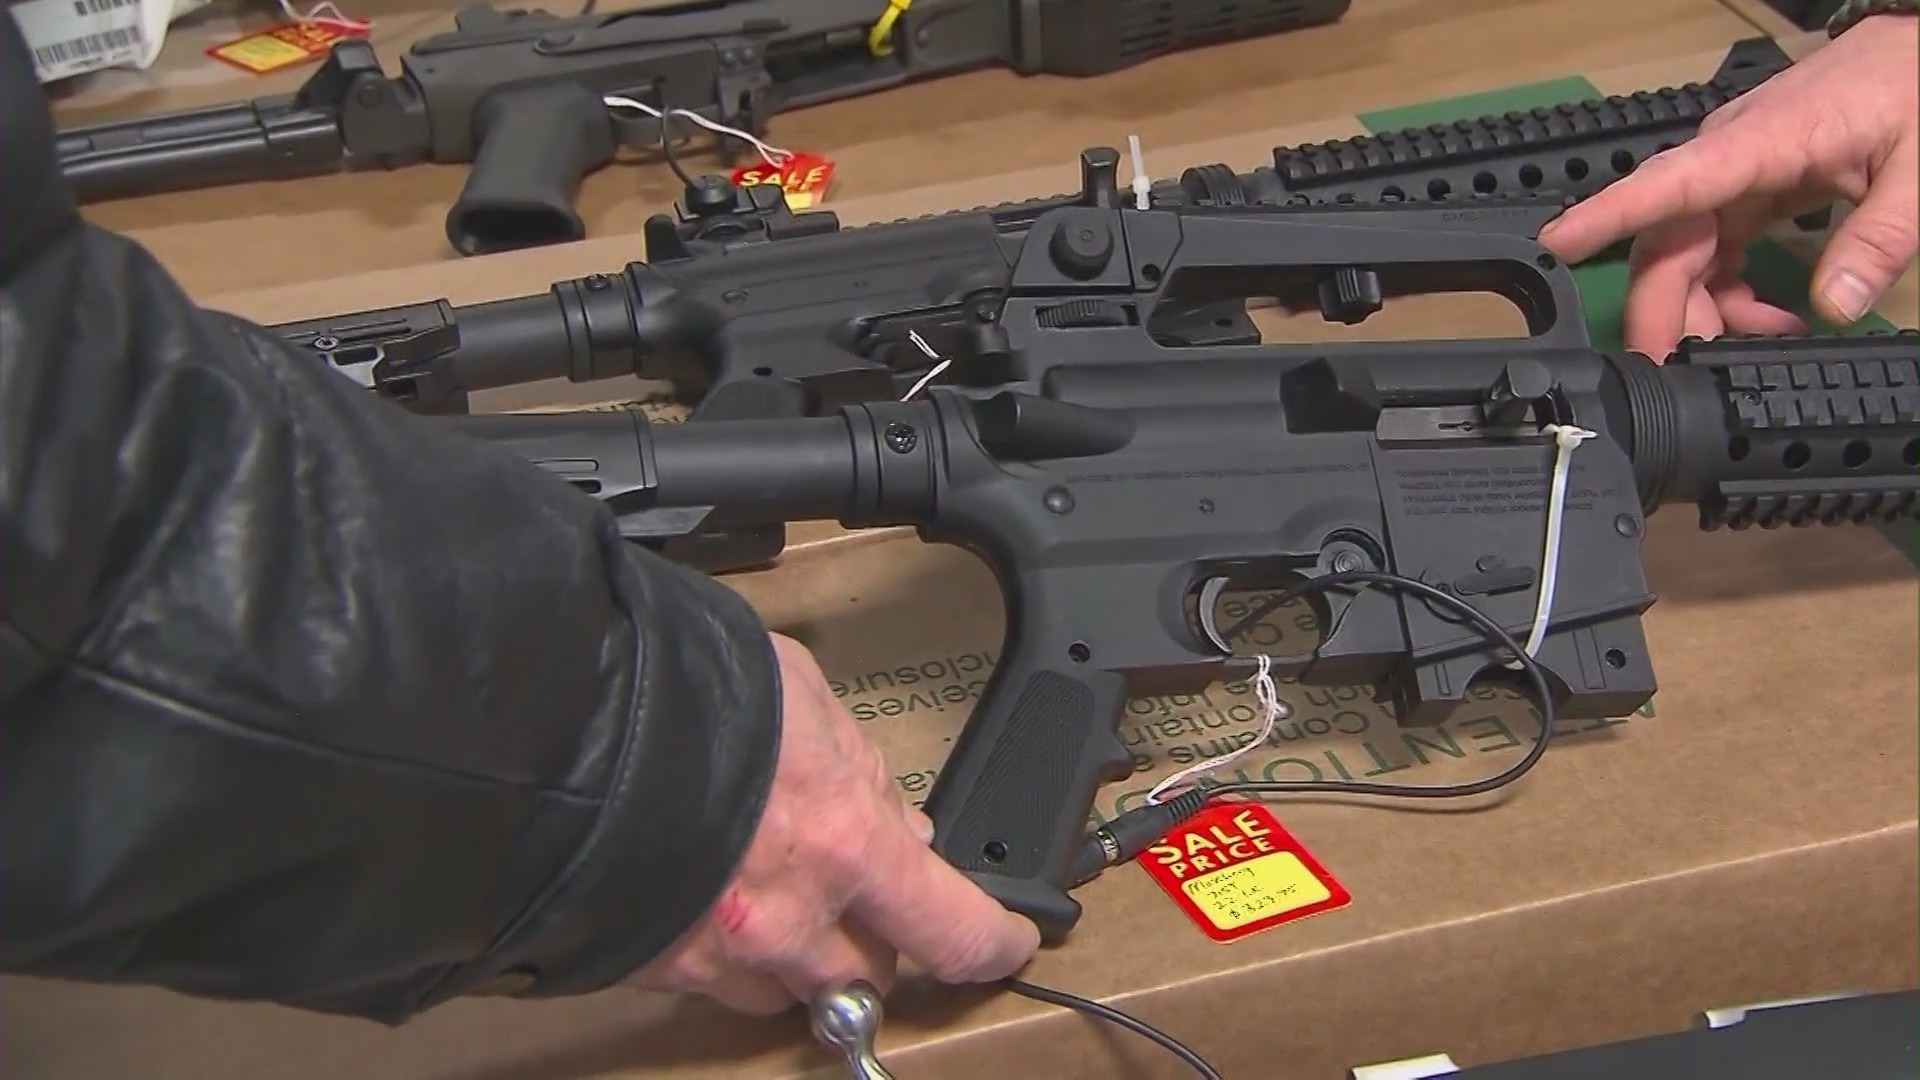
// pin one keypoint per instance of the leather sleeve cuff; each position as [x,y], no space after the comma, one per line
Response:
[683,804]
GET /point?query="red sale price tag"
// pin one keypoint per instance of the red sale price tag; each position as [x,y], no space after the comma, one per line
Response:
[803,177]
[1235,871]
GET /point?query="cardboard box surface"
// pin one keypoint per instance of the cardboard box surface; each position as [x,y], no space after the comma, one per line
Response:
[966,128]
[1752,837]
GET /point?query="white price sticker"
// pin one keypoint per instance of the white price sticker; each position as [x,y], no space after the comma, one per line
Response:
[71,37]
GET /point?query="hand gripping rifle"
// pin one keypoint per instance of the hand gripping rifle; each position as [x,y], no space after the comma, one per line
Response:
[1116,482]
[520,94]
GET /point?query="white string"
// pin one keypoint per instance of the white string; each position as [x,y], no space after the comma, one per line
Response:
[1272,709]
[1565,438]
[318,14]
[772,155]
[942,364]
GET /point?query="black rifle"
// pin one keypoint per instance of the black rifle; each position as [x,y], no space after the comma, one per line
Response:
[749,310]
[519,94]
[695,311]
[1116,482]
[1858,1036]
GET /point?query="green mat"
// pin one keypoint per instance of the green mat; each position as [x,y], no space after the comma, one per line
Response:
[1777,275]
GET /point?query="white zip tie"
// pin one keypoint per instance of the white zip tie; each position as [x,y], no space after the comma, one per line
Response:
[1142,186]
[1566,438]
[1273,711]
[942,363]
[772,155]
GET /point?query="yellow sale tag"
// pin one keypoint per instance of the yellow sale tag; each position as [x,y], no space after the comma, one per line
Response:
[1276,884]
[282,46]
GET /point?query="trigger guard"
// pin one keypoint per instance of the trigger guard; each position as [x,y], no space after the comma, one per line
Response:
[1209,598]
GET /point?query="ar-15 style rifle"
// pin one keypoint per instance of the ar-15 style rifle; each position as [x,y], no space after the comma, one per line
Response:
[521,94]
[737,284]
[1432,496]
[749,310]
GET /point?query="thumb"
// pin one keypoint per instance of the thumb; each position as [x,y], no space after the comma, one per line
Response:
[1871,247]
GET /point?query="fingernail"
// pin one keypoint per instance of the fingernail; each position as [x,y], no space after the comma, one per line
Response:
[922,827]
[1848,294]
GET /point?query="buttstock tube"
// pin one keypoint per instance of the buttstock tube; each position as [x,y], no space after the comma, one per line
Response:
[757,472]
[510,342]
[753,472]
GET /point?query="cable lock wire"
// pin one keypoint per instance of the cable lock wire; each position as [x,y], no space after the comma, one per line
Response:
[1567,438]
[772,155]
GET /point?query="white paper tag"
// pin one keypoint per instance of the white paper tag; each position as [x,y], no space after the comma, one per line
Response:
[155,17]
[71,37]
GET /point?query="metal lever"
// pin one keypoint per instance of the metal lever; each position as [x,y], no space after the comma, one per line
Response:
[848,1020]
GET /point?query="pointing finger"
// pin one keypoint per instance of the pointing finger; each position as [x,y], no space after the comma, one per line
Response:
[1741,223]
[842,954]
[1670,266]
[1697,178]
[1703,316]
[1745,313]
[936,917]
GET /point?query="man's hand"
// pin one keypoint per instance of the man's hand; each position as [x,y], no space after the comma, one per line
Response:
[839,880]
[1838,124]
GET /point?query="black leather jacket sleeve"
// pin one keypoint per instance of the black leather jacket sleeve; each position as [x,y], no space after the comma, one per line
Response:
[306,700]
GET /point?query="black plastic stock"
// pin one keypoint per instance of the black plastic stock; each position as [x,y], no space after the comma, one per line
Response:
[338,119]
[270,139]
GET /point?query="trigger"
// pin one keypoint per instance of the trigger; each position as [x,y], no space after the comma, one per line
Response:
[1209,600]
